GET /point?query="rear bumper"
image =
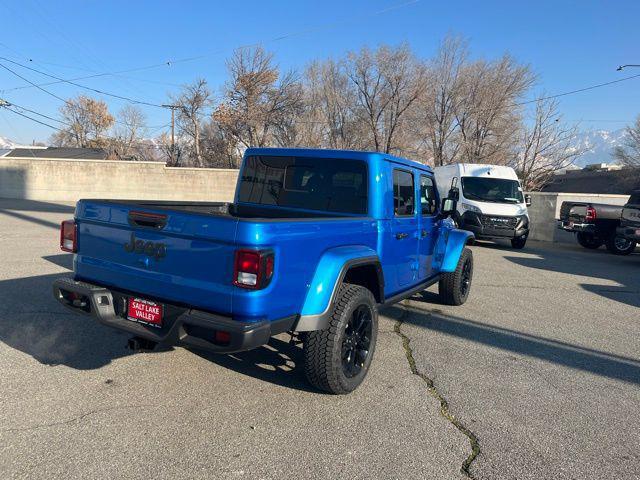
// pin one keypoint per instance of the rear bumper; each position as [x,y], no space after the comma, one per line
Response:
[630,233]
[577,227]
[181,326]
[494,226]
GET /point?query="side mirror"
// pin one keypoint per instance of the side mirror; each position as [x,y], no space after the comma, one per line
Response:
[454,193]
[449,206]
[527,200]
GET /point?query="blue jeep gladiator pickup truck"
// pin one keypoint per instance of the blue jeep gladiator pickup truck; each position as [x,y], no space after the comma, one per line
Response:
[314,243]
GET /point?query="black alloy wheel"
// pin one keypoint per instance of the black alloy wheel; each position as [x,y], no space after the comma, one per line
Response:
[357,341]
[465,280]
[454,287]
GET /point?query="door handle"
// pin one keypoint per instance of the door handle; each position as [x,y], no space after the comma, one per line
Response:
[423,233]
[400,236]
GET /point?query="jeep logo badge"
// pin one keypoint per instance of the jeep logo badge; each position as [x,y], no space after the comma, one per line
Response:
[157,250]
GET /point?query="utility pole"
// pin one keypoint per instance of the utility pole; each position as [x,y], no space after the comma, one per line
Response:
[173,125]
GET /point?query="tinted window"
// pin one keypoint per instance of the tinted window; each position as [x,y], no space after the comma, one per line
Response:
[403,193]
[323,184]
[487,189]
[428,200]
[634,199]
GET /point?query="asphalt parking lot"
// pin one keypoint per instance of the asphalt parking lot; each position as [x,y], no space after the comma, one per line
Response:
[537,376]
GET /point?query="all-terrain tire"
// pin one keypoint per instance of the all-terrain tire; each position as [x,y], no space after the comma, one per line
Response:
[588,240]
[324,349]
[618,245]
[454,286]
[519,242]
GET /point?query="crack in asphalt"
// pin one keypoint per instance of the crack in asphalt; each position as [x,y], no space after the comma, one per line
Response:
[78,418]
[444,404]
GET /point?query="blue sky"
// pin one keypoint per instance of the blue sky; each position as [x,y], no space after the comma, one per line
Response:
[569,44]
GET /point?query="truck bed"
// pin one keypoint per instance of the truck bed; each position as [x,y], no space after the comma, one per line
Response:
[576,211]
[226,209]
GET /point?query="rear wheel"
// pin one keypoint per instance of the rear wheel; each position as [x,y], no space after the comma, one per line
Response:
[589,240]
[454,286]
[337,359]
[619,245]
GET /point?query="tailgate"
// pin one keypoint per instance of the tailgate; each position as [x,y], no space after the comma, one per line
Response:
[573,212]
[178,256]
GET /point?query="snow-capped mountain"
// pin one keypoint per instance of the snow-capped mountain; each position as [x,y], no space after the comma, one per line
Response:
[6,143]
[598,146]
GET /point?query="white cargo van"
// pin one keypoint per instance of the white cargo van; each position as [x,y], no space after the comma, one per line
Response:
[491,203]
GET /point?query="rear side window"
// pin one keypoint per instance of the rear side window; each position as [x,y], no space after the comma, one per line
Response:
[403,193]
[428,200]
[310,183]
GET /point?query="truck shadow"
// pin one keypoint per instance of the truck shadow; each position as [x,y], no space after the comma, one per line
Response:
[33,322]
[602,265]
[565,354]
[278,362]
[16,209]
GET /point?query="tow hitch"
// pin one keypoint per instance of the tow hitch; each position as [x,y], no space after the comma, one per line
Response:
[139,344]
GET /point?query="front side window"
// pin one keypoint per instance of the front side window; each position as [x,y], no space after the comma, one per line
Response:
[403,193]
[310,183]
[496,190]
[428,200]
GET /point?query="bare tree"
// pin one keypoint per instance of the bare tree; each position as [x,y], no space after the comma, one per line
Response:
[388,82]
[546,146]
[434,120]
[257,100]
[488,116]
[629,152]
[219,149]
[87,122]
[328,118]
[127,141]
[193,100]
[172,153]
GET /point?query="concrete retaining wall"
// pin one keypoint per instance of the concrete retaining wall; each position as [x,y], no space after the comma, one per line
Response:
[545,209]
[70,180]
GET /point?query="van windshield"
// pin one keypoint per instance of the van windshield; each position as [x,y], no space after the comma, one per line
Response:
[310,183]
[497,190]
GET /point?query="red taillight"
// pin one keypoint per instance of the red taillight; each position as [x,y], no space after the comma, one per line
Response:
[222,338]
[253,268]
[69,236]
[591,214]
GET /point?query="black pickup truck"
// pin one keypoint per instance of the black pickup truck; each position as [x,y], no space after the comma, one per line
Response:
[630,219]
[596,224]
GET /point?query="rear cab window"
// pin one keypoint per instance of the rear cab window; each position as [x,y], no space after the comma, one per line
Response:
[309,183]
[634,198]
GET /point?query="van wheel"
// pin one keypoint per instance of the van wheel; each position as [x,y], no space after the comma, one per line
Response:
[519,242]
[454,286]
[619,245]
[588,240]
[337,359]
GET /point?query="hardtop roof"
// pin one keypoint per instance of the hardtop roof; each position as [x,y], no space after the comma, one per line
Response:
[347,154]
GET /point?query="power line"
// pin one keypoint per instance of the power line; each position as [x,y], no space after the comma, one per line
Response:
[102,92]
[33,119]
[31,83]
[169,63]
[571,92]
[10,104]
